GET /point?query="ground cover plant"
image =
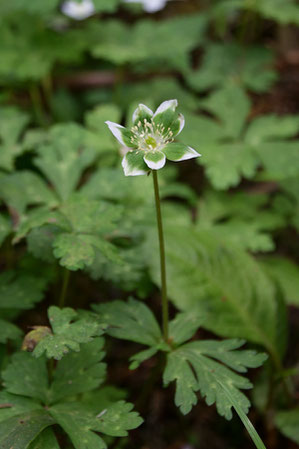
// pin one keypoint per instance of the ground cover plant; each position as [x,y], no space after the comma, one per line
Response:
[149,217]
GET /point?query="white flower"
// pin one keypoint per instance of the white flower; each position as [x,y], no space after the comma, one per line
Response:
[150,5]
[78,10]
[151,139]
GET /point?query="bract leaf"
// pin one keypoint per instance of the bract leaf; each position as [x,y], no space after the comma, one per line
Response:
[208,375]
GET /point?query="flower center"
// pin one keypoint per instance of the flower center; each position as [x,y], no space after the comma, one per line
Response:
[148,136]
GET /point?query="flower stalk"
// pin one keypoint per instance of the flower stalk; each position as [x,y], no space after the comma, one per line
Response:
[162,257]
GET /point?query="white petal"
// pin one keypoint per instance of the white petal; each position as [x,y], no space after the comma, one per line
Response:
[137,111]
[155,165]
[115,129]
[169,104]
[78,11]
[129,171]
[182,123]
[189,155]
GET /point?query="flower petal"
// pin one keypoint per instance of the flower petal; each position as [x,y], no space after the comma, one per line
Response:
[122,134]
[155,159]
[165,106]
[179,152]
[133,164]
[142,113]
[177,125]
[165,115]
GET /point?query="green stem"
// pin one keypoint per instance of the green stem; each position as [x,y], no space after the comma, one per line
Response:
[162,257]
[65,283]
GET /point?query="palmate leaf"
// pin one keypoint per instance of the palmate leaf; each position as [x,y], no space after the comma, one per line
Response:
[231,63]
[240,218]
[27,391]
[148,42]
[208,375]
[287,422]
[19,431]
[79,372]
[68,332]
[64,157]
[132,321]
[45,440]
[23,188]
[234,149]
[19,290]
[89,221]
[80,425]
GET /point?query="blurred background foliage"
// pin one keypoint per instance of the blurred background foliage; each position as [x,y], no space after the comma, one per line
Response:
[233,65]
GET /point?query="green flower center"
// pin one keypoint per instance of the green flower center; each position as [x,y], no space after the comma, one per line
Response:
[149,136]
[151,142]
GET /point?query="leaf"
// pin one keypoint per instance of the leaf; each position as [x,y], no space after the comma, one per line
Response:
[8,331]
[23,188]
[19,431]
[64,157]
[286,274]
[12,123]
[45,440]
[225,164]
[231,63]
[13,405]
[232,106]
[89,221]
[280,160]
[222,282]
[183,327]
[79,372]
[271,128]
[19,290]
[149,42]
[208,376]
[69,330]
[80,425]
[26,376]
[287,422]
[132,321]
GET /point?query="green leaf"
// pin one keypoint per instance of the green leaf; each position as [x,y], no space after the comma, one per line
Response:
[270,128]
[64,157]
[19,290]
[287,422]
[19,431]
[13,405]
[225,164]
[12,123]
[89,222]
[8,331]
[69,330]
[132,321]
[78,372]
[184,326]
[81,426]
[231,63]
[280,160]
[208,376]
[45,440]
[23,188]
[286,274]
[26,376]
[223,283]
[232,106]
